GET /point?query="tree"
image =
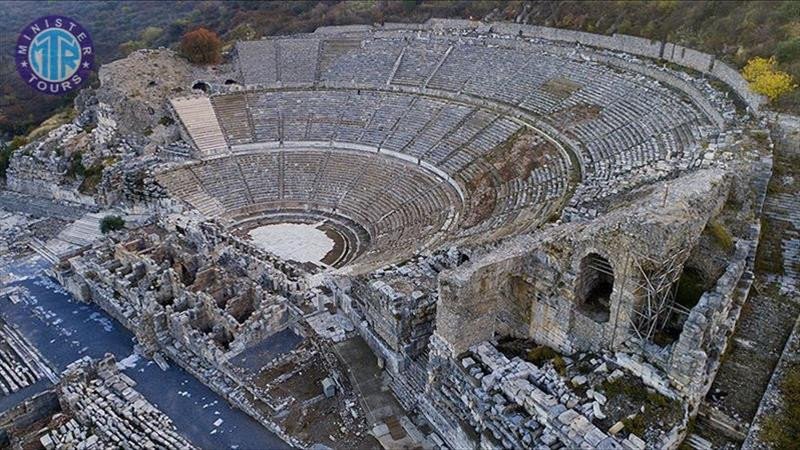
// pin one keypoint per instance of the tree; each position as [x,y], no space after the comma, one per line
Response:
[202,46]
[765,79]
[111,223]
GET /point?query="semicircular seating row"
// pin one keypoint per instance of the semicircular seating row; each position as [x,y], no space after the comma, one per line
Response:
[396,204]
[400,205]
[623,120]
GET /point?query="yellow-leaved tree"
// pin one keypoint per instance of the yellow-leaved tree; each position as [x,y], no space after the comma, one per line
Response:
[766,79]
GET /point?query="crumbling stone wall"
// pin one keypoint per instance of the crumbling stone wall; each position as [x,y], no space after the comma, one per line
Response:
[397,304]
[26,413]
[501,402]
[166,289]
[479,301]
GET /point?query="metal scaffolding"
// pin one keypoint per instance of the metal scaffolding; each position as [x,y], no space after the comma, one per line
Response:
[656,290]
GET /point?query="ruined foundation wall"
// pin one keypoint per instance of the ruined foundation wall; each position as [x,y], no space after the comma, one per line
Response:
[27,413]
[700,345]
[492,401]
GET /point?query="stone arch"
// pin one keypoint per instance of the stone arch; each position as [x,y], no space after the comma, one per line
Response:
[202,86]
[594,286]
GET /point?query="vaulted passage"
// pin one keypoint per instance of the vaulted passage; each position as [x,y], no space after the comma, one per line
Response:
[594,287]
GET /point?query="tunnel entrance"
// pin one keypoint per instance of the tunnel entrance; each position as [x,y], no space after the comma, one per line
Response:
[594,287]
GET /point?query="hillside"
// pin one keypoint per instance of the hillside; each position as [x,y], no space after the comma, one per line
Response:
[736,31]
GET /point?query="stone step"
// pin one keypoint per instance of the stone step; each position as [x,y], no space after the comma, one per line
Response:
[698,443]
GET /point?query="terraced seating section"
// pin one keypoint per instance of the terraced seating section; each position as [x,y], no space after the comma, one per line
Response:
[623,121]
[400,205]
[386,91]
[234,118]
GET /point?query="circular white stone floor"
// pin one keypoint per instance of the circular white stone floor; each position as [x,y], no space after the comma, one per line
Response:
[296,241]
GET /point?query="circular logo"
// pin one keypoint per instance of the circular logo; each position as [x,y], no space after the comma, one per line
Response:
[54,55]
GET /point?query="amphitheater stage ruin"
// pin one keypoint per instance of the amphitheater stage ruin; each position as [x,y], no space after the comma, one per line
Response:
[454,234]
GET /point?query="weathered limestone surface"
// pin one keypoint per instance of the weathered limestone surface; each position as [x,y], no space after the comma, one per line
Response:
[487,297]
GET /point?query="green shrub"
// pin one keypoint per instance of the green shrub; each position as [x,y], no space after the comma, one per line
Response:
[5,153]
[92,177]
[76,168]
[788,50]
[166,121]
[5,159]
[111,223]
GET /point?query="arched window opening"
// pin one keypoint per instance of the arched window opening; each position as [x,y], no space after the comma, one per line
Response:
[229,82]
[594,287]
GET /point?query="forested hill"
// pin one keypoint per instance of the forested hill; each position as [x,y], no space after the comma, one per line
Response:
[735,31]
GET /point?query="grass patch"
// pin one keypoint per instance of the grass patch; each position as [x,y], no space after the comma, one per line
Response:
[636,425]
[61,118]
[721,235]
[560,365]
[541,354]
[769,256]
[94,174]
[782,429]
[634,393]
[529,351]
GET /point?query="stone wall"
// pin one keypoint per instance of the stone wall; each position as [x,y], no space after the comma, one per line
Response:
[41,207]
[532,287]
[395,307]
[697,351]
[27,413]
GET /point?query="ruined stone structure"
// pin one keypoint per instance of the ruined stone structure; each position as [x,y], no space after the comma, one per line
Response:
[169,291]
[546,237]
[94,406]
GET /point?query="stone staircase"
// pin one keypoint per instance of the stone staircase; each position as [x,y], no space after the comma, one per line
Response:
[200,121]
[765,325]
[83,231]
[698,443]
[786,207]
[75,236]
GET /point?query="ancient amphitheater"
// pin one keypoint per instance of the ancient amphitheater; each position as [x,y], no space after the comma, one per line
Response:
[508,214]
